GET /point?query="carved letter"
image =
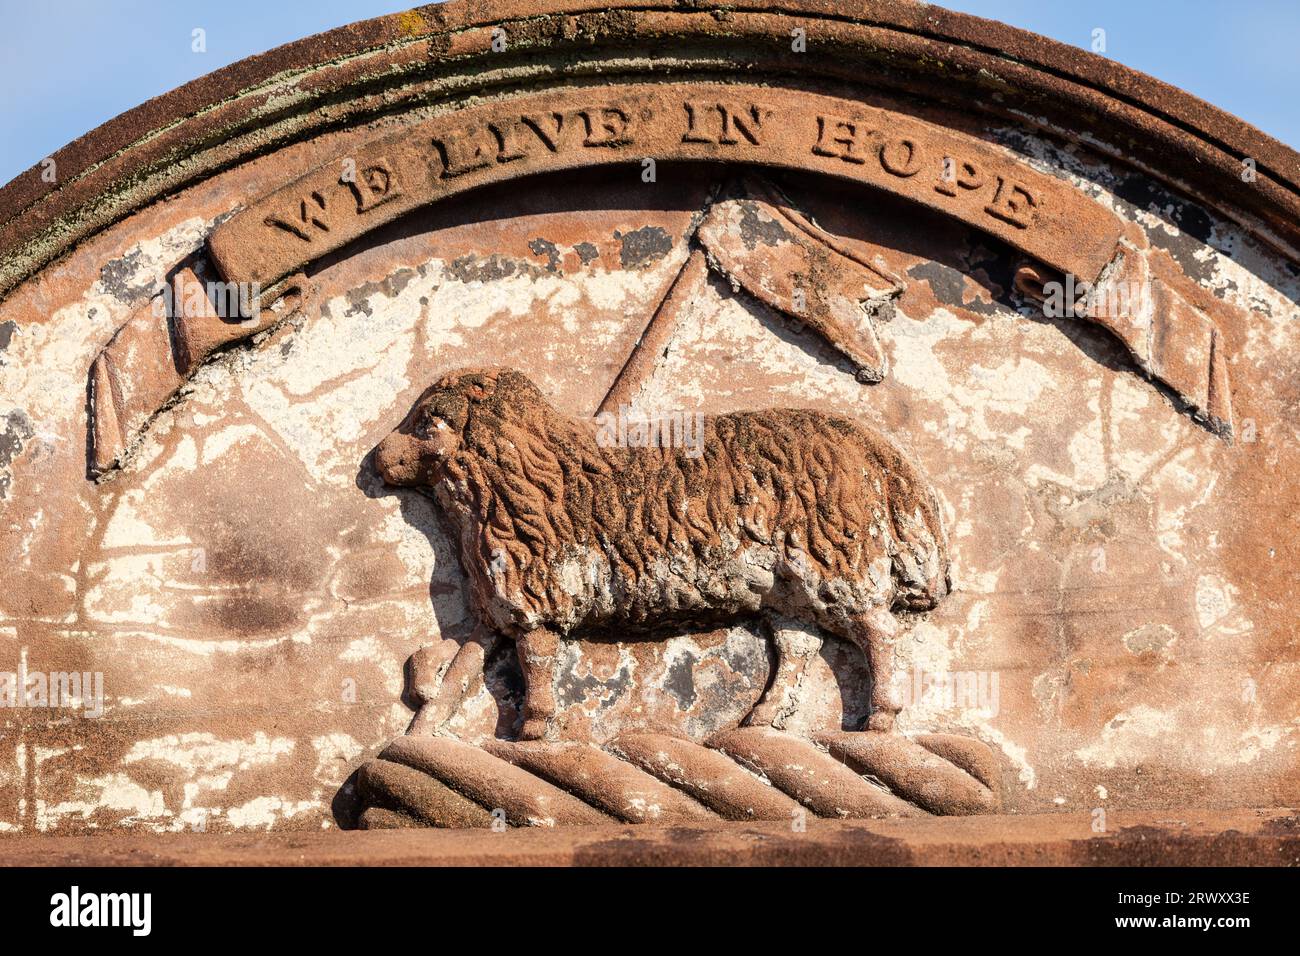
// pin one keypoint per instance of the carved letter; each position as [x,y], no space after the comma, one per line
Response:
[310,214]
[374,185]
[1012,203]
[548,127]
[605,127]
[839,138]
[898,157]
[748,123]
[958,173]
[508,146]
[691,135]
[466,150]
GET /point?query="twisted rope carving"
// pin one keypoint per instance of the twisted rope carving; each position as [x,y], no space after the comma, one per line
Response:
[748,773]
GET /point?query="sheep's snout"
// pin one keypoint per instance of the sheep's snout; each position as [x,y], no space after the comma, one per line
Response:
[397,460]
[406,460]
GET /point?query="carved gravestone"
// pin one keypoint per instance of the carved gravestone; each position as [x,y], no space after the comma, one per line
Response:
[583,428]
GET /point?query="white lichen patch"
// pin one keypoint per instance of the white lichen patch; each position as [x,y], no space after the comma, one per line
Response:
[368,650]
[328,389]
[114,792]
[44,371]
[1130,737]
[1217,609]
[205,753]
[225,440]
[1142,735]
[262,813]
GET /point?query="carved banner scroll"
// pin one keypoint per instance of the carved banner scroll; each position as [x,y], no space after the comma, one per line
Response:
[160,347]
[759,242]
[802,272]
[944,170]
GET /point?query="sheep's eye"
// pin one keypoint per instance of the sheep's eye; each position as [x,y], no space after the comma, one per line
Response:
[428,424]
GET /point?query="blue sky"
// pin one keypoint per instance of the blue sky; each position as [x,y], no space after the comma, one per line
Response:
[68,65]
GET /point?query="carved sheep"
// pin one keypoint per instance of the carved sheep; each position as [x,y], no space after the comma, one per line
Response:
[788,514]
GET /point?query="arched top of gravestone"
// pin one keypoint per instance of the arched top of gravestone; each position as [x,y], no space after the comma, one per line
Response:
[368,72]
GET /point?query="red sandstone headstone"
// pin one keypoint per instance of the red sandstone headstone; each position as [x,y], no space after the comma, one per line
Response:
[628,446]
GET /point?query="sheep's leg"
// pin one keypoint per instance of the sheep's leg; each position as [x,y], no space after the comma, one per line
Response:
[794,649]
[440,681]
[876,632]
[537,651]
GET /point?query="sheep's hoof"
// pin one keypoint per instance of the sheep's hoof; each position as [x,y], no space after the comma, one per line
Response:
[881,721]
[426,722]
[761,716]
[534,728]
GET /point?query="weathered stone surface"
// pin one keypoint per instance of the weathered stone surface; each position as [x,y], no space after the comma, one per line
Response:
[967,754]
[603,780]
[192,506]
[725,787]
[1135,838]
[912,770]
[377,818]
[809,774]
[401,793]
[524,800]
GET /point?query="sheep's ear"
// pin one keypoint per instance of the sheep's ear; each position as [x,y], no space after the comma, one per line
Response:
[477,389]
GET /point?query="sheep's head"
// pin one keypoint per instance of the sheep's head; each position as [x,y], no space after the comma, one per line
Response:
[415,452]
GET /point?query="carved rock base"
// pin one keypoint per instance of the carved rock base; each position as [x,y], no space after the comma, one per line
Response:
[749,773]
